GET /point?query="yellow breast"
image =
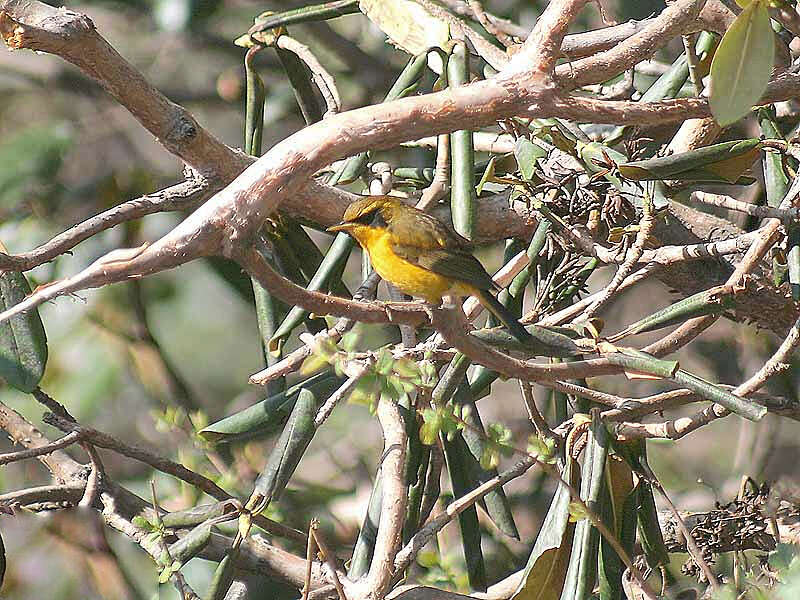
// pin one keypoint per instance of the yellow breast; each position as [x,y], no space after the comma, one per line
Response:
[406,276]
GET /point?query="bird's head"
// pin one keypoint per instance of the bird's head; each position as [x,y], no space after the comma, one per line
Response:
[368,212]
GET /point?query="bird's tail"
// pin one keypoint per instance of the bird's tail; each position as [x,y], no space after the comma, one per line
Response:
[505,315]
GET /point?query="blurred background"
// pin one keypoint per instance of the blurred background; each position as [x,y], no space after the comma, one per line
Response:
[68,151]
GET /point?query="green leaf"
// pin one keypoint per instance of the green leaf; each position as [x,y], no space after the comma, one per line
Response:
[582,569]
[405,367]
[724,162]
[266,416]
[577,512]
[223,576]
[543,449]
[366,390]
[776,182]
[193,516]
[619,504]
[23,342]
[313,364]
[548,561]
[457,457]
[291,446]
[742,64]
[140,522]
[488,174]
[384,362]
[430,428]
[741,406]
[527,153]
[190,545]
[707,302]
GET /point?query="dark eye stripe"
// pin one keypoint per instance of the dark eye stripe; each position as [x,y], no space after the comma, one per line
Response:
[371,218]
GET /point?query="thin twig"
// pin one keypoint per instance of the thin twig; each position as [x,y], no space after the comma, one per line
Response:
[693,61]
[395,494]
[341,393]
[452,510]
[535,416]
[95,479]
[153,545]
[103,440]
[542,48]
[646,225]
[755,210]
[677,428]
[67,440]
[310,552]
[183,196]
[691,545]
[490,24]
[328,556]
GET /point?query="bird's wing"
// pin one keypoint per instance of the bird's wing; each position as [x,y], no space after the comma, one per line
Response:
[423,231]
[458,265]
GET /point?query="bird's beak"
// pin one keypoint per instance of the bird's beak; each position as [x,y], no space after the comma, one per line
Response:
[343,226]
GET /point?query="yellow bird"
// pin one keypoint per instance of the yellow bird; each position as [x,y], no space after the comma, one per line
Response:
[420,256]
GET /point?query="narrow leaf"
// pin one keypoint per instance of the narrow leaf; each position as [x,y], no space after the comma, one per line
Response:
[495,502]
[726,161]
[191,544]
[23,343]
[290,447]
[265,416]
[582,569]
[223,576]
[741,406]
[455,455]
[619,506]
[548,561]
[707,302]
[365,544]
[742,64]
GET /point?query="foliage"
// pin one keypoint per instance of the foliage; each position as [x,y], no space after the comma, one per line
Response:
[147,377]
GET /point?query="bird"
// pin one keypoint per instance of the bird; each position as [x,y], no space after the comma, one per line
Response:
[420,256]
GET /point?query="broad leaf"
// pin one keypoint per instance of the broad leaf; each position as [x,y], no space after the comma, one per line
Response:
[742,64]
[527,153]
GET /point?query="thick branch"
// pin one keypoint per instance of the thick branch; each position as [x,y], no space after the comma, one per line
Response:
[228,221]
[73,37]
[673,20]
[542,49]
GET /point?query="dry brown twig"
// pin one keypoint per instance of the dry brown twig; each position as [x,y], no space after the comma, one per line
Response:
[207,229]
[229,219]
[529,85]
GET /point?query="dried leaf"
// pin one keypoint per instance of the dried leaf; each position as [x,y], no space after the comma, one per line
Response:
[407,24]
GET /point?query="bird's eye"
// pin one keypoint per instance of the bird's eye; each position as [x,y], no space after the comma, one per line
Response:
[371,218]
[364,219]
